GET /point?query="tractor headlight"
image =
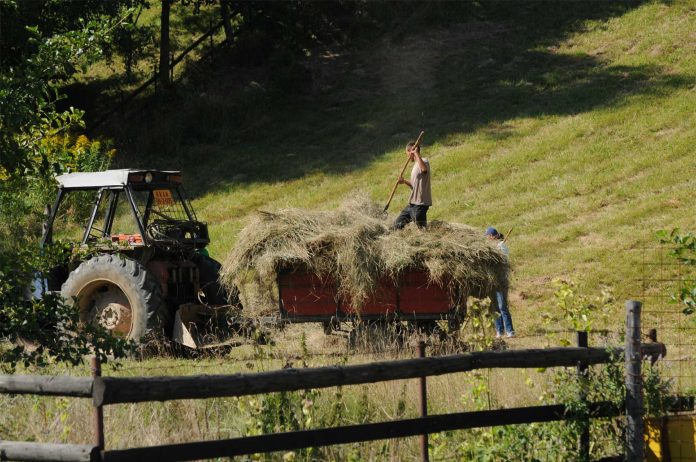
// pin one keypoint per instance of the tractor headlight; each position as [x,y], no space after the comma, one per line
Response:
[148,177]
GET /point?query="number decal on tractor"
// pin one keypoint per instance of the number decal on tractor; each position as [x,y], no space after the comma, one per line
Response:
[163,197]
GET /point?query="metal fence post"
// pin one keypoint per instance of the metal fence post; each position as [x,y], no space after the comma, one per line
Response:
[584,438]
[423,406]
[97,411]
[635,451]
[664,427]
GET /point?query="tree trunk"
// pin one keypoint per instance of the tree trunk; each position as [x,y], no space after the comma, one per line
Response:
[226,21]
[164,45]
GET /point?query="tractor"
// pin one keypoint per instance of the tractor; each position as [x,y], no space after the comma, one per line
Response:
[140,265]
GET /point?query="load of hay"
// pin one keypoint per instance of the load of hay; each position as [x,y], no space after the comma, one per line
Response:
[355,246]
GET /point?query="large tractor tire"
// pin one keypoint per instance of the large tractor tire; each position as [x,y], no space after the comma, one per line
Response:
[118,293]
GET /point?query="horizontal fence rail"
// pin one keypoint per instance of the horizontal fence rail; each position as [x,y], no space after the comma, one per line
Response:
[77,387]
[112,390]
[352,433]
[13,450]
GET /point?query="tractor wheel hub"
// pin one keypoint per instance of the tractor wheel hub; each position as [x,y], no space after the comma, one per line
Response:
[115,317]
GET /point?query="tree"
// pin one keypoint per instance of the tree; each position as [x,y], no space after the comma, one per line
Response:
[35,144]
[164,44]
[45,42]
[226,20]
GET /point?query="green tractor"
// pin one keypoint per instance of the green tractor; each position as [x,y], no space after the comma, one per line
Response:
[140,264]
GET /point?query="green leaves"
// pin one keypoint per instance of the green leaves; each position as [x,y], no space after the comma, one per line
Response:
[683,245]
[682,248]
[686,296]
[29,92]
[47,329]
[35,145]
[576,311]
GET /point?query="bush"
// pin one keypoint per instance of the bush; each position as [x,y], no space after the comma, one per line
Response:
[44,329]
[684,252]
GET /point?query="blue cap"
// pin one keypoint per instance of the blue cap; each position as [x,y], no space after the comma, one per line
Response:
[491,231]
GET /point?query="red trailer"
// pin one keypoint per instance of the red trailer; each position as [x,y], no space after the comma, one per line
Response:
[304,297]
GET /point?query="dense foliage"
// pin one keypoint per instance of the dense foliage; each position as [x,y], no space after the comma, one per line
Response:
[48,328]
[43,44]
[683,250]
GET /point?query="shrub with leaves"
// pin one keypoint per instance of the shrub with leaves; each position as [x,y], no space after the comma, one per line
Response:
[576,311]
[683,250]
[36,143]
[39,330]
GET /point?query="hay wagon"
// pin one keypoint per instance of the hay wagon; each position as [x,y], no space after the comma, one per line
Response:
[305,297]
[309,264]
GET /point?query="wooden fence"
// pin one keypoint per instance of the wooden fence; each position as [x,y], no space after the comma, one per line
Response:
[113,390]
[173,61]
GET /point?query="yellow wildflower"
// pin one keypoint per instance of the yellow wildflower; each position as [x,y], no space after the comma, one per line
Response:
[82,142]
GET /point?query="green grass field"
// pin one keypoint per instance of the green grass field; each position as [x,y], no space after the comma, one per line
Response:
[575,127]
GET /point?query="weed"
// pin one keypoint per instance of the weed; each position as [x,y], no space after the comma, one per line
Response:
[683,250]
[477,329]
[575,311]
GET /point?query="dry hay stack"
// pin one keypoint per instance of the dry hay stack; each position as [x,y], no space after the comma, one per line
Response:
[355,246]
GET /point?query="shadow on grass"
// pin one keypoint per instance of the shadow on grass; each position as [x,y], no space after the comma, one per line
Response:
[467,76]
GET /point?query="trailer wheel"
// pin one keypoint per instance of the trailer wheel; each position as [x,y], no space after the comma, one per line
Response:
[118,293]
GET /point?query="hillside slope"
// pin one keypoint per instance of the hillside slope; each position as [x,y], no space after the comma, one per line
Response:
[579,134]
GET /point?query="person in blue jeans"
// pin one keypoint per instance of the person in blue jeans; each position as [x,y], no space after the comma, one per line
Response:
[503,323]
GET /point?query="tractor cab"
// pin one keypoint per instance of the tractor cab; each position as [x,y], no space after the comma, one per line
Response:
[130,208]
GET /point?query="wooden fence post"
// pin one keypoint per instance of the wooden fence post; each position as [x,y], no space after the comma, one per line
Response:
[97,411]
[584,439]
[425,457]
[635,451]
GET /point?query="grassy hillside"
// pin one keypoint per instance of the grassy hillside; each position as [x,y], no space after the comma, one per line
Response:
[575,126]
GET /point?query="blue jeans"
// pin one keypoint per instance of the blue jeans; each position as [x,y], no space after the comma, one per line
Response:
[504,320]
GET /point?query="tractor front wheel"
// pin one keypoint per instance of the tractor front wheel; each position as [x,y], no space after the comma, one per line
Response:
[117,293]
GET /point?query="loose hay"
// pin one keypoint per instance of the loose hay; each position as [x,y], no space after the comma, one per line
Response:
[355,246]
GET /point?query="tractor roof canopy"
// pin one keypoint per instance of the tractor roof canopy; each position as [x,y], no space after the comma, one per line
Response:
[118,178]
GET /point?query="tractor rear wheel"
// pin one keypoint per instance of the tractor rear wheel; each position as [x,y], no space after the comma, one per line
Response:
[118,293]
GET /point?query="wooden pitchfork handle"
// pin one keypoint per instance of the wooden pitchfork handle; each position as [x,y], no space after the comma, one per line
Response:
[408,159]
[508,234]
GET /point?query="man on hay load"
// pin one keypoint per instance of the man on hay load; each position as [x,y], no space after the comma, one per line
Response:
[420,199]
